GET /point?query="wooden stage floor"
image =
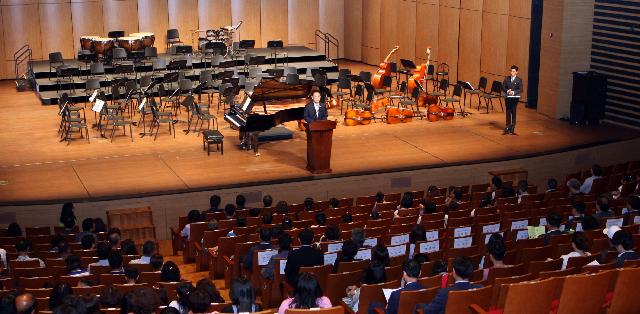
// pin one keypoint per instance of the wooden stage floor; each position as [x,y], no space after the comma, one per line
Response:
[36,168]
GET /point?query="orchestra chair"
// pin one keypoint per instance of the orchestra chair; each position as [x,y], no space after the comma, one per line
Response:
[344,82]
[173,37]
[441,90]
[386,86]
[161,118]
[55,61]
[494,93]
[330,310]
[455,98]
[430,77]
[442,72]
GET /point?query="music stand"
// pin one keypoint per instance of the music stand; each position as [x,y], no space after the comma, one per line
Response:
[247,44]
[407,70]
[88,58]
[467,87]
[176,65]
[184,49]
[124,69]
[275,45]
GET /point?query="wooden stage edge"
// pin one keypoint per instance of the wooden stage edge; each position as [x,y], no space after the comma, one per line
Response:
[35,169]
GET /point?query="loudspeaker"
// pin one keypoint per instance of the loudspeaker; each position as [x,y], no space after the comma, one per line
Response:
[588,97]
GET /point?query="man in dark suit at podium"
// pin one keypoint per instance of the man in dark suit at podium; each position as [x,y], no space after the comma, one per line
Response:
[315,110]
[511,89]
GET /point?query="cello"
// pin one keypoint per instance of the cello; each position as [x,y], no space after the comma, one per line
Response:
[419,73]
[383,70]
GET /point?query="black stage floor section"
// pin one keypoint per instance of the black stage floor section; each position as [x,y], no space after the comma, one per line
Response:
[49,90]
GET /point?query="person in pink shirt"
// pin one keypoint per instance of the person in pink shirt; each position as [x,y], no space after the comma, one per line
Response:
[307,295]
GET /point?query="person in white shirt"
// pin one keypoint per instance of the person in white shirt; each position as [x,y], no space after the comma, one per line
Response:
[148,250]
[103,251]
[523,187]
[580,245]
[193,216]
[22,247]
[596,172]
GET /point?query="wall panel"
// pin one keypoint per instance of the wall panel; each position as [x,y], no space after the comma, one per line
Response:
[494,43]
[406,29]
[303,22]
[518,49]
[86,19]
[213,14]
[274,21]
[448,30]
[55,27]
[247,11]
[470,43]
[520,8]
[331,19]
[371,32]
[153,16]
[120,15]
[353,29]
[428,17]
[21,25]
[388,29]
[497,6]
[550,48]
[183,15]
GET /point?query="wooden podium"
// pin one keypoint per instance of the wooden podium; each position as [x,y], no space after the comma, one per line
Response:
[319,134]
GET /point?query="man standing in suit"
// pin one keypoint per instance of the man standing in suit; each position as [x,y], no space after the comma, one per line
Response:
[305,256]
[410,274]
[315,110]
[511,89]
[462,269]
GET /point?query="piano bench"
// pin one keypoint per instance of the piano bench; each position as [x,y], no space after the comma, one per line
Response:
[212,137]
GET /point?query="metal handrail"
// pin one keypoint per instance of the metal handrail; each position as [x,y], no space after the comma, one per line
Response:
[328,40]
[20,56]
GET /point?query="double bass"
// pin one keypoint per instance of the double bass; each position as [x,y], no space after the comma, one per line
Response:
[419,74]
[383,70]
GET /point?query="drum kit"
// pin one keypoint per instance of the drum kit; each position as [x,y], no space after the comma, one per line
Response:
[104,45]
[223,35]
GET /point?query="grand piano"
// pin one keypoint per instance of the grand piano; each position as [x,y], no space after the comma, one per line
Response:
[280,103]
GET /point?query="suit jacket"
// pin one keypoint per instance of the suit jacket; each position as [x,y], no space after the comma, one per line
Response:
[515,86]
[439,303]
[310,112]
[394,298]
[305,256]
[626,256]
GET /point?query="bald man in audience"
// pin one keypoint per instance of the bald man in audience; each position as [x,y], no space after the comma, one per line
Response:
[25,304]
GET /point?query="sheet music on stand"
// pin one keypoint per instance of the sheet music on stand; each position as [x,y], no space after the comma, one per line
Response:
[98,105]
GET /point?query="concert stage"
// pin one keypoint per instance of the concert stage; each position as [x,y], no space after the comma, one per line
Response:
[36,168]
[294,56]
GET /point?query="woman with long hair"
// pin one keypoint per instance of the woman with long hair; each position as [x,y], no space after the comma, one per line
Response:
[307,295]
[243,298]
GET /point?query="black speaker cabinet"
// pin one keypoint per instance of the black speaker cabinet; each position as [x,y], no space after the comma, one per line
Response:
[588,97]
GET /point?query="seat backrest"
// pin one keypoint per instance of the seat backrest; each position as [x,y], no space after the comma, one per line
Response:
[496,87]
[515,270]
[444,85]
[149,277]
[373,293]
[482,84]
[321,273]
[344,267]
[557,273]
[584,293]
[580,261]
[535,267]
[457,90]
[409,299]
[35,282]
[624,298]
[528,297]
[55,57]
[292,79]
[173,34]
[338,283]
[111,279]
[459,301]
[499,283]
[330,310]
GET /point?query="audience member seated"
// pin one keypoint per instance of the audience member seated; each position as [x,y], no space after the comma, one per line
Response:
[331,234]
[553,227]
[22,247]
[580,245]
[417,234]
[14,230]
[170,272]
[496,250]
[373,274]
[87,229]
[380,253]
[358,236]
[265,244]
[462,269]
[67,212]
[406,202]
[115,262]
[305,256]
[308,204]
[69,226]
[267,201]
[284,243]
[496,185]
[334,203]
[214,205]
[282,208]
[128,247]
[622,241]
[58,294]
[523,188]
[99,225]
[131,275]
[148,250]
[618,192]
[229,211]
[321,219]
[254,212]
[603,210]
[74,266]
[347,218]
[114,240]
[574,188]
[25,304]
[64,250]
[633,207]
[596,173]
[198,302]
[156,262]
[207,285]
[552,185]
[379,200]
[267,218]
[347,254]
[420,258]
[193,217]
[240,202]
[410,274]
[243,298]
[103,252]
[110,297]
[8,302]
[88,242]
[142,300]
[307,294]
[182,303]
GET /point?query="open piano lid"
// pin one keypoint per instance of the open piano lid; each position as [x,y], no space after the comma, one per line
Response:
[272,89]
